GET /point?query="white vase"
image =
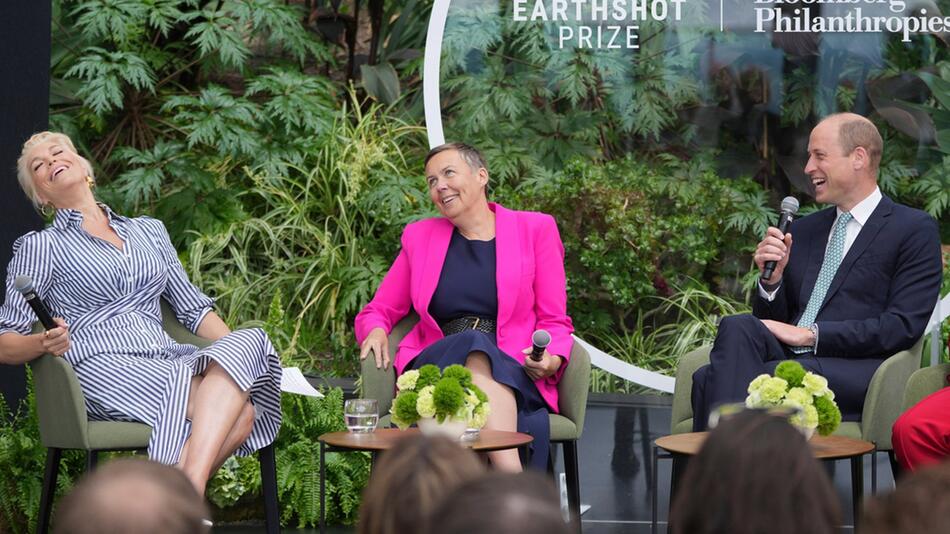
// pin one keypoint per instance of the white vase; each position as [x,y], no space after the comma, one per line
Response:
[449,428]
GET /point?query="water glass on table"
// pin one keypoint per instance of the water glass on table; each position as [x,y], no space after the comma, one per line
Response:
[361,415]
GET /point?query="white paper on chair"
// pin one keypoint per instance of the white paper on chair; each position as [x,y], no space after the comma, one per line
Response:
[293,381]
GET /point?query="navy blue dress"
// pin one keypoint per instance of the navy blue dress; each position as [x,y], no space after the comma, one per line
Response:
[467,287]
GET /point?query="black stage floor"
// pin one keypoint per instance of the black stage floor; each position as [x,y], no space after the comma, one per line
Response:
[615,460]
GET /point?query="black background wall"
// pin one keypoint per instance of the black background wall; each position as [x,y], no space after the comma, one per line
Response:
[24,108]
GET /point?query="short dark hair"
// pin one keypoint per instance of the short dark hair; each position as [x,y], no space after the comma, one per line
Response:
[131,496]
[755,473]
[470,154]
[919,505]
[502,503]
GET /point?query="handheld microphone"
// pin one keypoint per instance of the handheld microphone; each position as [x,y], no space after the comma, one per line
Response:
[788,210]
[24,284]
[540,340]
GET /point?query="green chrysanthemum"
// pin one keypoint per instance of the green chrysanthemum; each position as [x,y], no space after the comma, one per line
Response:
[407,381]
[790,371]
[448,397]
[425,404]
[429,375]
[463,375]
[404,410]
[829,416]
[773,390]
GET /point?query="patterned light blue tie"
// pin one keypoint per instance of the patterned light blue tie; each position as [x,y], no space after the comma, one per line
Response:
[829,267]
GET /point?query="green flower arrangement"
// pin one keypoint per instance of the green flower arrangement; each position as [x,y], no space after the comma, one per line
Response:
[447,395]
[794,387]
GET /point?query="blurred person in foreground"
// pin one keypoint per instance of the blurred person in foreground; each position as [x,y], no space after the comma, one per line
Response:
[501,503]
[410,480]
[919,505]
[482,279]
[858,284]
[755,474]
[132,496]
[102,276]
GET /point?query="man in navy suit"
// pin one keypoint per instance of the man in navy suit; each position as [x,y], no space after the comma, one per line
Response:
[858,285]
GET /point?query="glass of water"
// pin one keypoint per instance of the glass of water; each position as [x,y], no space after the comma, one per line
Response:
[361,415]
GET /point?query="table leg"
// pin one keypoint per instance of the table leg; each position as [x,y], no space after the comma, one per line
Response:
[323,489]
[857,487]
[654,481]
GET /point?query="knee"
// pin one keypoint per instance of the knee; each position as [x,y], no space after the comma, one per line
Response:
[739,323]
[477,361]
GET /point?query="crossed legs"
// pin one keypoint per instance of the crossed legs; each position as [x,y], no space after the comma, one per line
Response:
[503,414]
[221,420]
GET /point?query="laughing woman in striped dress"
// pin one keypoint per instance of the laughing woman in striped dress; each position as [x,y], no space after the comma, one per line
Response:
[103,275]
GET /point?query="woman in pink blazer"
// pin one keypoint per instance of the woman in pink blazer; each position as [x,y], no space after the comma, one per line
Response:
[482,279]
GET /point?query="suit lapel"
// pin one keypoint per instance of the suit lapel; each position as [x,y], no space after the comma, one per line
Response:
[436,249]
[507,260]
[816,255]
[875,222]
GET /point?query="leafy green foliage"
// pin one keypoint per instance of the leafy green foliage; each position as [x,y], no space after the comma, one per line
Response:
[22,462]
[298,457]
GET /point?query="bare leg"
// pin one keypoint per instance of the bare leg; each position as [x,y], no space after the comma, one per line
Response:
[189,410]
[236,437]
[503,414]
[218,403]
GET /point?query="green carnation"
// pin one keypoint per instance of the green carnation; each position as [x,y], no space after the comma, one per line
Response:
[482,397]
[772,391]
[757,382]
[815,384]
[790,371]
[404,410]
[829,416]
[407,380]
[448,397]
[429,375]
[463,375]
[799,396]
[425,405]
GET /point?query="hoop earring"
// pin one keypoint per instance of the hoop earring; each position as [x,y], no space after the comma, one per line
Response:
[47,209]
[90,181]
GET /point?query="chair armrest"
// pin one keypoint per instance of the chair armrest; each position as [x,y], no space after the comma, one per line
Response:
[380,384]
[60,405]
[924,382]
[882,404]
[574,386]
[683,389]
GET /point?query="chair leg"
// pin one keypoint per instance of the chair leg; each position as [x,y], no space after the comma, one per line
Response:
[573,480]
[269,487]
[53,456]
[896,468]
[92,460]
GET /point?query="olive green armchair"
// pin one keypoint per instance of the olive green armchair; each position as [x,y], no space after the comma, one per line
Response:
[61,410]
[566,427]
[882,403]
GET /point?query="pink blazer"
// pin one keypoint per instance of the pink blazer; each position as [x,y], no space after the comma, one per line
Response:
[532,290]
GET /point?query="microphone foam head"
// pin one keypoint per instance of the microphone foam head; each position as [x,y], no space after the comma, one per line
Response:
[23,284]
[541,338]
[790,204]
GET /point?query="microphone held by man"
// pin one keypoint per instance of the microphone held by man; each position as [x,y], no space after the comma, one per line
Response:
[789,208]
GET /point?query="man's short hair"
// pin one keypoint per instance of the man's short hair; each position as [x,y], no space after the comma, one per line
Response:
[133,496]
[856,131]
[470,154]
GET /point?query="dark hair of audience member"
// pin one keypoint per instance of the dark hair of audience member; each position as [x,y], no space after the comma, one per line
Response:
[132,496]
[409,481]
[755,474]
[501,503]
[919,505]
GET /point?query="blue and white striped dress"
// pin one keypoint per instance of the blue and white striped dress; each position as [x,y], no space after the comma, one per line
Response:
[128,367]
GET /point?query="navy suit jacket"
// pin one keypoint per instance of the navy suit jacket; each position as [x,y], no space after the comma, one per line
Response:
[884,291]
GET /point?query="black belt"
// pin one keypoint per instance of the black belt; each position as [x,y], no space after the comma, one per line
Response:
[470,322]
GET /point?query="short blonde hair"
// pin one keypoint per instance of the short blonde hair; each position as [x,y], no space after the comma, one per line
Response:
[24,174]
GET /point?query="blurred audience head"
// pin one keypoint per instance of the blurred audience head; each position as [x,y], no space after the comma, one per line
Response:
[919,505]
[132,496]
[409,481]
[501,503]
[755,474]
